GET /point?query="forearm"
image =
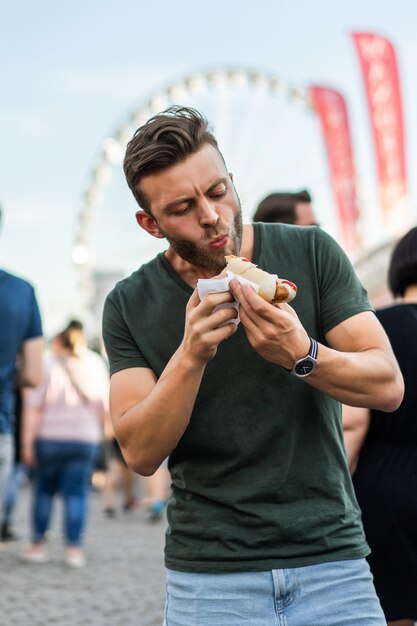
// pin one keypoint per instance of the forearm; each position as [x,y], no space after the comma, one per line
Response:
[369,379]
[30,363]
[150,416]
[357,366]
[31,418]
[150,429]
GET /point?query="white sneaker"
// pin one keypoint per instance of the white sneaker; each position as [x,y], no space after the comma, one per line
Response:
[75,560]
[34,555]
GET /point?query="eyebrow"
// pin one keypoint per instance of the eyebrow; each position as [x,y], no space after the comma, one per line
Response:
[171,205]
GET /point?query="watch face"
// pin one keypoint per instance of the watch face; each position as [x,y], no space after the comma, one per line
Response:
[303,368]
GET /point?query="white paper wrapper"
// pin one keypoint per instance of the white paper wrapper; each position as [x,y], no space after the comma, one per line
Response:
[218,285]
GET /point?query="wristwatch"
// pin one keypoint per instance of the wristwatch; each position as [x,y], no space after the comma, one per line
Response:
[306,366]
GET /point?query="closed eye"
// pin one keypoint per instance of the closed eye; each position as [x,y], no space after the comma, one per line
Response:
[218,194]
[182,211]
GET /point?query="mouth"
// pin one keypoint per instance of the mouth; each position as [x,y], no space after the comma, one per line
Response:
[219,242]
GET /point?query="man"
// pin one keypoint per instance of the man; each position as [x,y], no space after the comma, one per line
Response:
[287,208]
[263,523]
[20,342]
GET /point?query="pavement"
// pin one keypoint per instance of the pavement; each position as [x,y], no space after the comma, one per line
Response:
[122,583]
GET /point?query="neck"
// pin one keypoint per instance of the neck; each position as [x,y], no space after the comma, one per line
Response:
[410,294]
[246,248]
[189,272]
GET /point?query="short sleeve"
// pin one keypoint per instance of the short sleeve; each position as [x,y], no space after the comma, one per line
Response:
[122,350]
[34,327]
[342,295]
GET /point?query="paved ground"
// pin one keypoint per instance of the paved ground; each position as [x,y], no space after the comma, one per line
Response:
[121,585]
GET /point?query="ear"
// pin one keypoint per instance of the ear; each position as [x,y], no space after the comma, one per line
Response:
[147,222]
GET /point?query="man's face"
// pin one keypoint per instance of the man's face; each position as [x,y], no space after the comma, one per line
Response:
[195,207]
[304,214]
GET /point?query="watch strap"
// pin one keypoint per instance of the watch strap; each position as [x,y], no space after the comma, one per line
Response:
[314,348]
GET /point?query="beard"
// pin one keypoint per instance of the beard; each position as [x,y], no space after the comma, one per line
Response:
[202,254]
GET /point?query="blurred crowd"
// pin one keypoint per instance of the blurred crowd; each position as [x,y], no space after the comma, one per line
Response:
[56,433]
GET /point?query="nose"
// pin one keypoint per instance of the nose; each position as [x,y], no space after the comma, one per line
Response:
[208,215]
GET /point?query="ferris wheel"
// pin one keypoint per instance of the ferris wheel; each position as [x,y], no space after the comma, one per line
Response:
[267,132]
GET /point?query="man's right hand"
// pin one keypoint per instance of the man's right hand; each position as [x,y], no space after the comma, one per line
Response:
[205,328]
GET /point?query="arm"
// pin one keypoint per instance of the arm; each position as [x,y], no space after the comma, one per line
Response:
[150,415]
[30,365]
[31,417]
[357,368]
[355,422]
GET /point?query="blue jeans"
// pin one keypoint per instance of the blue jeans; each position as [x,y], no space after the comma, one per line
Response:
[63,467]
[6,461]
[339,593]
[16,477]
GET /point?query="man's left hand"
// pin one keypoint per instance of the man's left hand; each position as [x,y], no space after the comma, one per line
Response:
[274,331]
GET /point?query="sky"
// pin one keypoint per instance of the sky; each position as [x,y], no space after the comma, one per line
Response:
[73,73]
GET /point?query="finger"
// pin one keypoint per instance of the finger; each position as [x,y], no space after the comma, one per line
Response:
[287,311]
[212,300]
[237,290]
[218,298]
[249,318]
[223,316]
[257,307]
[224,332]
[283,306]
[216,319]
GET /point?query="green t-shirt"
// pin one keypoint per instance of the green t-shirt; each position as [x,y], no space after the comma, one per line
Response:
[259,478]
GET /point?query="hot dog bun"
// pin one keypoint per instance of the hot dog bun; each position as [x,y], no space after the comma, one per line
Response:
[271,288]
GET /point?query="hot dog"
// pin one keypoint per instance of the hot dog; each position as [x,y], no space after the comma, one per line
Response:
[271,288]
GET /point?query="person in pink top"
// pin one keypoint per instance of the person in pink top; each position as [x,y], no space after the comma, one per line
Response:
[62,428]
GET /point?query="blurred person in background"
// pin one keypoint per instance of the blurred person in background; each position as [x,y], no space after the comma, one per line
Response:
[17,476]
[287,207]
[154,489]
[118,476]
[385,479]
[63,422]
[21,347]
[155,492]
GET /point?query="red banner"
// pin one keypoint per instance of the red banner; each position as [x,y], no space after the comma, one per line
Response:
[331,108]
[379,68]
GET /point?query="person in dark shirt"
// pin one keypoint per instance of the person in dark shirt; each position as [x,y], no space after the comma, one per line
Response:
[21,347]
[262,516]
[385,479]
[287,207]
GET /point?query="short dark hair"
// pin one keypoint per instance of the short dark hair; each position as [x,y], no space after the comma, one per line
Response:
[166,139]
[75,325]
[402,270]
[280,206]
